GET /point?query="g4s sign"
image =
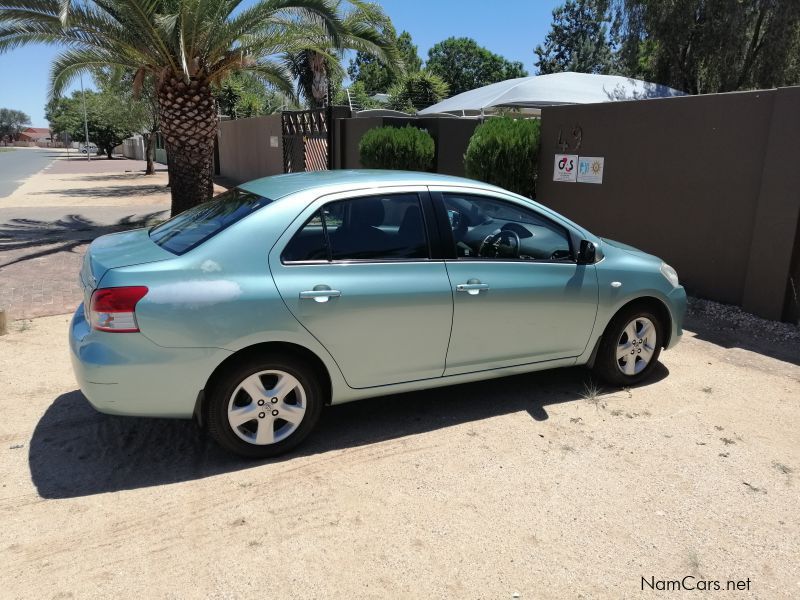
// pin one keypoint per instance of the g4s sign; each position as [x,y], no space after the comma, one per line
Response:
[565,167]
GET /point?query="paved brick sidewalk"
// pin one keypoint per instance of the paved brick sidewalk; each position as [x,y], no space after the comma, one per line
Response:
[42,286]
[47,224]
[41,252]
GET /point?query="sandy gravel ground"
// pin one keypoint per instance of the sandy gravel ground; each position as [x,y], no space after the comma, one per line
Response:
[530,485]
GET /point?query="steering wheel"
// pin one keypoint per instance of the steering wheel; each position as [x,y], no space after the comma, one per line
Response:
[502,244]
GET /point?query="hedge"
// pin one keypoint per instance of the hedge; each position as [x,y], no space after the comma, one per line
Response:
[406,148]
[504,152]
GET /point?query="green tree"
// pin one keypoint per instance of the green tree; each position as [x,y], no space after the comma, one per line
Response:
[186,45]
[409,53]
[376,76]
[11,123]
[416,91]
[242,96]
[464,65]
[359,98]
[318,74]
[705,46]
[140,95]
[110,118]
[64,116]
[578,39]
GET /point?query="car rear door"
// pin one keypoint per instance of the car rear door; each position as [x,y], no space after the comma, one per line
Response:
[355,270]
[512,310]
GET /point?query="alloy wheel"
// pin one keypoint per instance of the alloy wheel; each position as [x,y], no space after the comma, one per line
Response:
[636,346]
[267,407]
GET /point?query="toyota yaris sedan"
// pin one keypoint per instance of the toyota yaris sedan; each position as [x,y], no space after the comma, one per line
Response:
[252,311]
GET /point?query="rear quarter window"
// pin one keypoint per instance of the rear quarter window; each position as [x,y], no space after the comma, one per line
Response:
[198,224]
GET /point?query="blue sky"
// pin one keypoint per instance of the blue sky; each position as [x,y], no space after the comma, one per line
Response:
[508,27]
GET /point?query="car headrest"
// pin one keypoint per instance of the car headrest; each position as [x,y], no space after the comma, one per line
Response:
[412,221]
[367,212]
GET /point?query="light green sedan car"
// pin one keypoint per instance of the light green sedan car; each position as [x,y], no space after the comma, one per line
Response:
[252,311]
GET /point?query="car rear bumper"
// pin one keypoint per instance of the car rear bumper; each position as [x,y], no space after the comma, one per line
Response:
[127,374]
[677,308]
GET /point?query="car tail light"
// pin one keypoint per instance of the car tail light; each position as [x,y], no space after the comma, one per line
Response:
[112,309]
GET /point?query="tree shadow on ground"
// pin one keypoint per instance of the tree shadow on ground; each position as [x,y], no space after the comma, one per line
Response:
[74,155]
[76,451]
[132,175]
[117,191]
[43,238]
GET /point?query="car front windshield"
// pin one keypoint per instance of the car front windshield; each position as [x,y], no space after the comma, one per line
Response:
[194,226]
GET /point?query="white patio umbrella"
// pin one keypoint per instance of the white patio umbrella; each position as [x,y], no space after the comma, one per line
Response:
[550,90]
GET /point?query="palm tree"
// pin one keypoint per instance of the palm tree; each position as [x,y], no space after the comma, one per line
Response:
[318,69]
[186,46]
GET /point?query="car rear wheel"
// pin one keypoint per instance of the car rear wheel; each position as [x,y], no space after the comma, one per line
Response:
[264,407]
[630,347]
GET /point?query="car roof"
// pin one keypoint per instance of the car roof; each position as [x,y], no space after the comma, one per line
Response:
[279,186]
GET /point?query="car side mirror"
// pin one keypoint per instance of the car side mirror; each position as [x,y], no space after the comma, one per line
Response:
[586,253]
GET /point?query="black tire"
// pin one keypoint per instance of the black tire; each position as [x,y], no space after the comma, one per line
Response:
[607,366]
[223,387]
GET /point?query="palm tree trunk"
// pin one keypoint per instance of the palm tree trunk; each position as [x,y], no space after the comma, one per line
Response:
[188,118]
[319,85]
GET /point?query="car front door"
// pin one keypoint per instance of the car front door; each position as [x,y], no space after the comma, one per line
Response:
[356,272]
[519,296]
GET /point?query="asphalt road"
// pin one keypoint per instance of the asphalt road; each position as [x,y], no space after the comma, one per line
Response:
[19,164]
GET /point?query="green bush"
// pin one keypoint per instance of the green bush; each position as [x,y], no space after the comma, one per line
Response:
[406,148]
[505,151]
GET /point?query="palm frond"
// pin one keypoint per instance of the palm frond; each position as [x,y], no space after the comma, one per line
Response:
[315,13]
[275,76]
[199,38]
[141,17]
[63,12]
[71,63]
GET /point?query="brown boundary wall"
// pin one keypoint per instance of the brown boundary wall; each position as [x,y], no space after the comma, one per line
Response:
[709,183]
[245,151]
[451,136]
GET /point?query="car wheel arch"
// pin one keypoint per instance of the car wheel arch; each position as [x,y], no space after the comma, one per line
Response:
[650,302]
[287,348]
[658,307]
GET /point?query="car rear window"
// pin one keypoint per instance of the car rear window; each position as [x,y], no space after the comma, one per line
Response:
[202,222]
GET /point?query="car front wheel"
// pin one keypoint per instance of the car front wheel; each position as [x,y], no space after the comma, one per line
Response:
[630,347]
[264,407]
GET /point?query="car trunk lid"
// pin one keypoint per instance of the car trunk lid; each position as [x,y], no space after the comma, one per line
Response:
[122,249]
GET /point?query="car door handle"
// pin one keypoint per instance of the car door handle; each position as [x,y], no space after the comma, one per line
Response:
[473,288]
[320,295]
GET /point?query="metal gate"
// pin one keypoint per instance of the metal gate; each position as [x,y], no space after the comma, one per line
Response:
[306,140]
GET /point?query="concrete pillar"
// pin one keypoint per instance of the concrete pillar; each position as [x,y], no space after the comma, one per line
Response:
[777,213]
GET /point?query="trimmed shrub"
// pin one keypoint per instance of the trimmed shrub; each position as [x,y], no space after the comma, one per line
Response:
[505,152]
[406,148]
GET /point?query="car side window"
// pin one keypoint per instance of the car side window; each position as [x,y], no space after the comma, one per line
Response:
[383,227]
[309,243]
[489,228]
